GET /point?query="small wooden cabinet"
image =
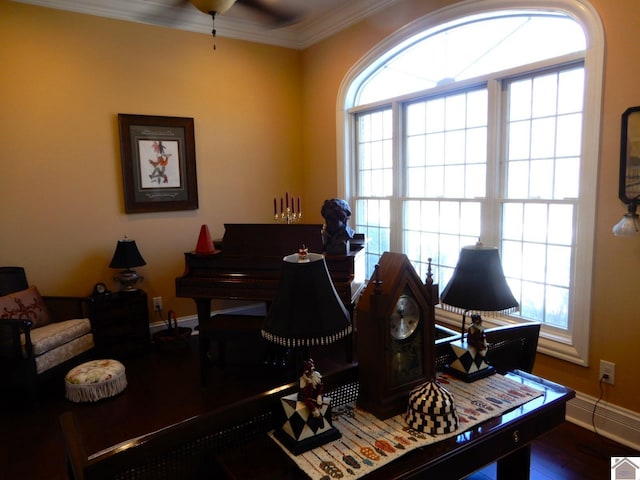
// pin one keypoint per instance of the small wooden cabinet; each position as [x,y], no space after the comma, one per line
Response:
[120,324]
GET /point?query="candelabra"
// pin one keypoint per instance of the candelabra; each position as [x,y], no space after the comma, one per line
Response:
[288,213]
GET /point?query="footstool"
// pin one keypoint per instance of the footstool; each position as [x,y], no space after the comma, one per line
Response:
[95,380]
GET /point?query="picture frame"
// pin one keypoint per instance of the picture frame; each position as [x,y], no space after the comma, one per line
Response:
[629,183]
[158,163]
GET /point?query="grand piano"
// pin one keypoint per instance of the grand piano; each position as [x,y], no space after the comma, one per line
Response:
[249,260]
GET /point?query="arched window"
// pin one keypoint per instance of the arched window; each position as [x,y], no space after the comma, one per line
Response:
[481,122]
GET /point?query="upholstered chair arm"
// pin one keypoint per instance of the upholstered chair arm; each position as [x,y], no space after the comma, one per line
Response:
[10,332]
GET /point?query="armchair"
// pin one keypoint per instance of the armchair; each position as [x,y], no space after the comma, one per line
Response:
[36,338]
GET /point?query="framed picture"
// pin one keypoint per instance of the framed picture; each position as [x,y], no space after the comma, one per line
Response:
[629,186]
[158,163]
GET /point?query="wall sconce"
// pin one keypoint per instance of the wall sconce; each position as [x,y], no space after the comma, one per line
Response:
[629,179]
[628,224]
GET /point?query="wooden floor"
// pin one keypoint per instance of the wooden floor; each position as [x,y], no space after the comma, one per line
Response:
[165,388]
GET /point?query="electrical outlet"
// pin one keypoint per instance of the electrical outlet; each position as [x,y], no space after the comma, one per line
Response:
[157,304]
[608,371]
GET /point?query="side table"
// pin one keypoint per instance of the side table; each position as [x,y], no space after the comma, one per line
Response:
[120,324]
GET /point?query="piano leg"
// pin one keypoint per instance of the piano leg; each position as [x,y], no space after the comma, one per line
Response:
[203,307]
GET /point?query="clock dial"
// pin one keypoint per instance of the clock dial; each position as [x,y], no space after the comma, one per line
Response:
[407,360]
[405,318]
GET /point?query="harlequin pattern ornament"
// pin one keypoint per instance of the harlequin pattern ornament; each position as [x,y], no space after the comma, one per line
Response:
[431,409]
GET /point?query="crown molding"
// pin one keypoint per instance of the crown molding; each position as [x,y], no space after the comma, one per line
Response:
[230,25]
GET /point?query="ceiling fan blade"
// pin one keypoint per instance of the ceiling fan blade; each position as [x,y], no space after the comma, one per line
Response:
[169,15]
[277,15]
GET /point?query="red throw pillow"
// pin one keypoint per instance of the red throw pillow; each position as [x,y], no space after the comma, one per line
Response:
[26,305]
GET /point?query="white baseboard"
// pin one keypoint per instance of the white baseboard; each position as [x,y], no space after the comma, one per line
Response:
[613,422]
[191,321]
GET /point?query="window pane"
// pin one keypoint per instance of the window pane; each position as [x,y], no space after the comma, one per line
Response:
[543,170]
[569,135]
[373,219]
[451,191]
[375,154]
[542,137]
[544,95]
[532,300]
[472,47]
[567,178]
[558,265]
[535,223]
[519,140]
[455,135]
[533,262]
[557,312]
[560,230]
[512,214]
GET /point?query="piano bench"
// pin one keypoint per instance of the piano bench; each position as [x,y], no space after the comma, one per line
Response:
[220,328]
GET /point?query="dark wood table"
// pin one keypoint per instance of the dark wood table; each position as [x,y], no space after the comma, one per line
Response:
[504,439]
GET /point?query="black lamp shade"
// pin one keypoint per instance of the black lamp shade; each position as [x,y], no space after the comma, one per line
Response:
[307,310]
[478,283]
[126,255]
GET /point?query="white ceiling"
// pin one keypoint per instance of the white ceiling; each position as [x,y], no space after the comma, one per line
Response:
[321,18]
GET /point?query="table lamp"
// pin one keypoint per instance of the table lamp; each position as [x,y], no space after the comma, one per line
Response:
[306,311]
[127,256]
[477,286]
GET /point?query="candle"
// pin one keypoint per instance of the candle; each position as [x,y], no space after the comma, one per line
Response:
[281,209]
[293,210]
[287,198]
[299,210]
[275,210]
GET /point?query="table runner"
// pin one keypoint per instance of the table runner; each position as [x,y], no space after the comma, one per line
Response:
[368,443]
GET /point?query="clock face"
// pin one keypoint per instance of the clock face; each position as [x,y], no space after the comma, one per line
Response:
[100,289]
[405,318]
[406,342]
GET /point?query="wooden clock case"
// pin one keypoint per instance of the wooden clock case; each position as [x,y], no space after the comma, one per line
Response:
[380,391]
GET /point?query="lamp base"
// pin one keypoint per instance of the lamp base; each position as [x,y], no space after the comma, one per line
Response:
[128,279]
[469,364]
[470,377]
[298,447]
[302,431]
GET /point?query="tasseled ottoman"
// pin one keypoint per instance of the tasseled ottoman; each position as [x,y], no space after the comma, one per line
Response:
[95,380]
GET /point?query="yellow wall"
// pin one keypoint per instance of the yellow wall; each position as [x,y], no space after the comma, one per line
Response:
[64,79]
[264,123]
[615,325]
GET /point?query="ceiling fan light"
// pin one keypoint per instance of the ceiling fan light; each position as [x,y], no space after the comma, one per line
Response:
[209,6]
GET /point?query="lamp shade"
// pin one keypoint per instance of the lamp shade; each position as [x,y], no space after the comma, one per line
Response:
[628,226]
[478,283]
[307,310]
[126,255]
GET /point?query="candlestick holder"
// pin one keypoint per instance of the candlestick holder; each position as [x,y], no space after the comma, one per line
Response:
[288,213]
[288,216]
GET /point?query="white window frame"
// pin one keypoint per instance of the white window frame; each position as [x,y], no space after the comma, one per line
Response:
[574,346]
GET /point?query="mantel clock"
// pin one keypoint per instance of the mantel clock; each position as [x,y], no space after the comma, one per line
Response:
[395,335]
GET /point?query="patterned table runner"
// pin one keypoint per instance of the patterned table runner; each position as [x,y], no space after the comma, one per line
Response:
[368,443]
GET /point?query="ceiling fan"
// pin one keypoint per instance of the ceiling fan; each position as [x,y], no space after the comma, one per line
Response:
[276,15]
[273,15]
